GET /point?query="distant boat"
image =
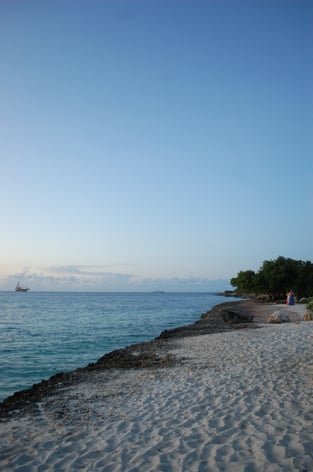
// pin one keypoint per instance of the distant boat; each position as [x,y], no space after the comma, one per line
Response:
[19,288]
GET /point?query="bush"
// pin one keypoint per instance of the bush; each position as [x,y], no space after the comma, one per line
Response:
[309,305]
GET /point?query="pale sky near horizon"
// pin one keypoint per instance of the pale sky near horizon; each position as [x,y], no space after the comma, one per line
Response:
[153,144]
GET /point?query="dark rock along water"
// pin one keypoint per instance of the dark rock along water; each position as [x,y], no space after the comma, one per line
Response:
[43,333]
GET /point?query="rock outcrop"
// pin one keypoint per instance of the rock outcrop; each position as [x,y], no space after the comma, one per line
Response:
[230,316]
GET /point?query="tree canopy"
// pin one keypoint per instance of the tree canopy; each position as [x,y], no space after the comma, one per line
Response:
[276,277]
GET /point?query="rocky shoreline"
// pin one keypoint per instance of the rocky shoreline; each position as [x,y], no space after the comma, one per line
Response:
[150,354]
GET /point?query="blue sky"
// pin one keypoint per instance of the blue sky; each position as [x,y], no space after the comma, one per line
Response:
[153,144]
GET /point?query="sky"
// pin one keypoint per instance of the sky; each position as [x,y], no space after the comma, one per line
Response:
[153,144]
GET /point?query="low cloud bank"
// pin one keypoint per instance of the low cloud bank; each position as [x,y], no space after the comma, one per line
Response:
[90,278]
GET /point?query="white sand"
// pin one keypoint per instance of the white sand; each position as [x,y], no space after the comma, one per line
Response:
[240,401]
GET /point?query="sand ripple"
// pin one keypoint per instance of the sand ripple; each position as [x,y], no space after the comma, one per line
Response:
[238,401]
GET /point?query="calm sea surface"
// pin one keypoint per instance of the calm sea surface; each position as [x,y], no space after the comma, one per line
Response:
[42,333]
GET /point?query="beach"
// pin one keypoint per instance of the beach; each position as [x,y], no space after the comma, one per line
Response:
[207,398]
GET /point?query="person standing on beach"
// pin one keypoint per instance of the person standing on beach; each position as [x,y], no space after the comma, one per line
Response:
[290,298]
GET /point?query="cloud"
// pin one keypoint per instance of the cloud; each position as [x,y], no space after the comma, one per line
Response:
[89,271]
[93,278]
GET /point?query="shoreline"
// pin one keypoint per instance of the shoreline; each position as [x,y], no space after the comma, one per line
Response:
[152,354]
[239,399]
[148,354]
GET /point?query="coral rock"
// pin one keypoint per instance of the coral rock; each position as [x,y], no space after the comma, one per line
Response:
[279,316]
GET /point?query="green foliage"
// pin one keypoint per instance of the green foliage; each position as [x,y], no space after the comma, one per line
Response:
[245,281]
[309,305]
[276,277]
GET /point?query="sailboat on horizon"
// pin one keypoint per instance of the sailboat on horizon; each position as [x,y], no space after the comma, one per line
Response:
[19,288]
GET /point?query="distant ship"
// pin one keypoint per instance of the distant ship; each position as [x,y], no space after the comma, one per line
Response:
[19,288]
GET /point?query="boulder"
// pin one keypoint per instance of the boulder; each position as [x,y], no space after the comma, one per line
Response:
[279,316]
[308,316]
[236,317]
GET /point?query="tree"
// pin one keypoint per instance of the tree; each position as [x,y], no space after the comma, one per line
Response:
[245,281]
[304,279]
[276,277]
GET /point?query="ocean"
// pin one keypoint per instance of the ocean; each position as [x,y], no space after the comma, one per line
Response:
[43,333]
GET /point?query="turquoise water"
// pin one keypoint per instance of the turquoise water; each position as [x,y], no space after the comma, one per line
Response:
[42,333]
